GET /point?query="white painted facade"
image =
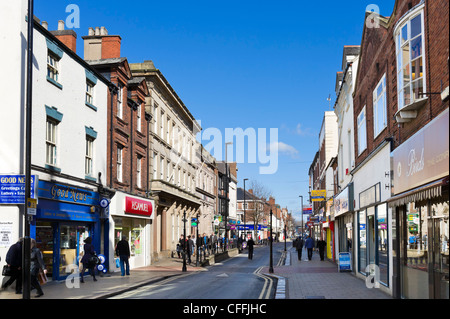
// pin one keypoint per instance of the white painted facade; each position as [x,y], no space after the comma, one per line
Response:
[66,99]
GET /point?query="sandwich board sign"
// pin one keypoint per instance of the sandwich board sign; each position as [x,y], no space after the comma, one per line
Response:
[345,262]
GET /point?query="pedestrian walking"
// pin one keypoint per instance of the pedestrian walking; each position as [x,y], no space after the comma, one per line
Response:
[190,246]
[37,267]
[250,245]
[14,261]
[321,244]
[213,240]
[123,252]
[88,260]
[299,247]
[180,246]
[309,244]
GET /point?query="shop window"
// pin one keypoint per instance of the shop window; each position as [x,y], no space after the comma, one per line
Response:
[415,252]
[382,234]
[136,239]
[362,249]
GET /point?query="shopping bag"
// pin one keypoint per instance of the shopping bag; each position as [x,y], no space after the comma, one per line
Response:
[6,271]
[42,278]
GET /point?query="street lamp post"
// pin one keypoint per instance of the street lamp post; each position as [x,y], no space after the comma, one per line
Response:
[285,233]
[227,190]
[198,252]
[184,269]
[301,210]
[271,240]
[245,227]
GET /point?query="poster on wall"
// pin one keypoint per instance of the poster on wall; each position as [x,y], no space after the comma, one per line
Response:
[6,229]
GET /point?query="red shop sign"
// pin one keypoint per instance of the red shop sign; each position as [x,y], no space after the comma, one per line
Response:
[138,206]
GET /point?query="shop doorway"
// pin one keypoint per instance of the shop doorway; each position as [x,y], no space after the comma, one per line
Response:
[61,246]
[439,261]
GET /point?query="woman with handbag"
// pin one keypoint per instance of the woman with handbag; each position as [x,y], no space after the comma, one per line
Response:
[89,259]
[37,267]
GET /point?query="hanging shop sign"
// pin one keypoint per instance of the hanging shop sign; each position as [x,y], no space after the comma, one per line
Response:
[424,157]
[12,189]
[138,206]
[318,195]
[307,210]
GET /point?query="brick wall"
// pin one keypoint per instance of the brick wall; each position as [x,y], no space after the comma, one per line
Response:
[378,57]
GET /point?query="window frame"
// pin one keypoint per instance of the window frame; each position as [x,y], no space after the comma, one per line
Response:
[120,101]
[376,99]
[89,156]
[51,143]
[360,124]
[401,87]
[119,160]
[53,68]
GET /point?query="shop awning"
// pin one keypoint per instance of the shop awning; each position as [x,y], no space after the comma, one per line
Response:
[428,191]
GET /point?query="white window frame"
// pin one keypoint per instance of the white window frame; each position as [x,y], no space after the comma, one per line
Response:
[362,138]
[52,67]
[120,101]
[404,28]
[138,172]
[155,166]
[139,121]
[119,163]
[89,157]
[379,112]
[90,92]
[51,143]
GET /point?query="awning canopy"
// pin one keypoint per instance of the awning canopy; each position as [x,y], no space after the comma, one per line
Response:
[428,191]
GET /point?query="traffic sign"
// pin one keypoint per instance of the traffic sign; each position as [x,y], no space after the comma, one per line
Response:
[31,206]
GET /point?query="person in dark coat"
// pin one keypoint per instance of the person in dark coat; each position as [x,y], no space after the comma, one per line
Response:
[250,245]
[123,252]
[299,247]
[14,260]
[309,244]
[37,266]
[87,264]
[190,246]
[321,244]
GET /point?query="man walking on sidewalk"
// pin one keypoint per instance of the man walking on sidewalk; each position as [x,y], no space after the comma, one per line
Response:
[309,244]
[321,244]
[299,247]
[123,251]
[250,244]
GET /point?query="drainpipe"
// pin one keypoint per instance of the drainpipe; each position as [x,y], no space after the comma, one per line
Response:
[113,89]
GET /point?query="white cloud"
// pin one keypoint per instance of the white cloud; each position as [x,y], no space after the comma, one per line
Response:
[283,148]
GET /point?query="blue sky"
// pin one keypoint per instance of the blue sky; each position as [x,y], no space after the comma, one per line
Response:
[247,64]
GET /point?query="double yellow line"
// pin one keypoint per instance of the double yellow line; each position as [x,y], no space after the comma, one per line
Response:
[268,283]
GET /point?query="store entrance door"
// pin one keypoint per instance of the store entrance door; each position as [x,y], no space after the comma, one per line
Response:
[71,244]
[439,258]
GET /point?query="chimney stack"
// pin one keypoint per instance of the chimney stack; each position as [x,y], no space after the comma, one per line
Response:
[99,45]
[68,37]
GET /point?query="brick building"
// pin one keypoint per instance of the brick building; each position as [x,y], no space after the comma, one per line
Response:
[401,95]
[131,211]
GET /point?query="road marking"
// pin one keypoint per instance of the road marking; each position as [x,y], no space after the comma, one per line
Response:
[268,282]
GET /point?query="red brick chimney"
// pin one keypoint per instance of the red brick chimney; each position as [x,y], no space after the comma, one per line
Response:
[68,37]
[99,45]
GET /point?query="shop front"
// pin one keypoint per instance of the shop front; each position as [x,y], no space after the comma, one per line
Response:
[372,245]
[66,215]
[343,207]
[131,217]
[421,211]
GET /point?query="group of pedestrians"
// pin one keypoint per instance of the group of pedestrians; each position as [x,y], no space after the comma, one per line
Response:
[14,262]
[203,246]
[88,261]
[309,245]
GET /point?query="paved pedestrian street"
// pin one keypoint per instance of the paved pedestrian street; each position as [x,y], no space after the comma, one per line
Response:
[318,279]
